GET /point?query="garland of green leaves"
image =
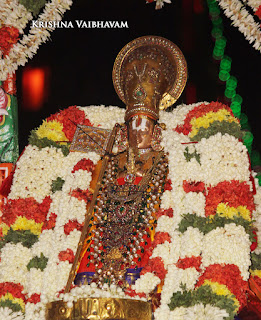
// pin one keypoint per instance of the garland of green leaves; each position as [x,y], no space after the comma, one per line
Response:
[44,142]
[204,295]
[207,224]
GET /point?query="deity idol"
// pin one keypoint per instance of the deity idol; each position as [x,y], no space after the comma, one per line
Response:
[133,181]
[147,205]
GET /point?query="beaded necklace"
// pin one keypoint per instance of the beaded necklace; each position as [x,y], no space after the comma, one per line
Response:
[122,216]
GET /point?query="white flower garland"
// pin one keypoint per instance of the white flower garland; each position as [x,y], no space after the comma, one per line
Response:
[243,20]
[7,314]
[16,15]
[257,215]
[254,4]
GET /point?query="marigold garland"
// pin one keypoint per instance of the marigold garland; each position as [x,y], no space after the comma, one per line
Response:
[203,110]
[11,295]
[232,193]
[69,118]
[228,275]
[52,130]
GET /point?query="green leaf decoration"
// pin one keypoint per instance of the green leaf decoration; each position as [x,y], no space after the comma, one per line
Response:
[57,184]
[206,296]
[33,6]
[44,142]
[38,263]
[207,224]
[223,127]
[15,307]
[189,156]
[25,237]
[256,261]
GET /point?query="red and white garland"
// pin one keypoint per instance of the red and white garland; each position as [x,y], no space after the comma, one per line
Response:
[15,15]
[35,273]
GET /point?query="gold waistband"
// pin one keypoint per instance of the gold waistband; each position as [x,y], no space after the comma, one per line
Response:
[99,309]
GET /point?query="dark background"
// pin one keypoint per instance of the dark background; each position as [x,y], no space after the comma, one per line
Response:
[80,61]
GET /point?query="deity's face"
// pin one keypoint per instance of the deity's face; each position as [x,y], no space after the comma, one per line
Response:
[145,83]
[140,130]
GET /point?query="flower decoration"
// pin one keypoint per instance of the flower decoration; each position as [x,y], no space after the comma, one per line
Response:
[8,37]
[208,119]
[52,130]
[69,118]
[243,19]
[11,296]
[14,18]
[198,256]
[159,3]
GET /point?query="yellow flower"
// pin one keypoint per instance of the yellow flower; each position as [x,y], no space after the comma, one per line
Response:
[21,223]
[224,210]
[256,273]
[221,290]
[9,296]
[206,120]
[52,130]
[5,228]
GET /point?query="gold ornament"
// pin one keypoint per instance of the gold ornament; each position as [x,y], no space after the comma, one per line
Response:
[99,309]
[149,74]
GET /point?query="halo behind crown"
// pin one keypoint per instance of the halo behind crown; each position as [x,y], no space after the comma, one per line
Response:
[174,57]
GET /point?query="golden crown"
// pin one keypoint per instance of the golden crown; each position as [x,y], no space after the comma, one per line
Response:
[171,63]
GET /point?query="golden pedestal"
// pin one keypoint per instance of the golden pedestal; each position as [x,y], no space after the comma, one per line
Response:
[99,309]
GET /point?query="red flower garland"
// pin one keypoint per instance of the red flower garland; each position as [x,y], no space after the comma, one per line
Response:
[164,212]
[50,223]
[35,298]
[19,207]
[68,117]
[80,194]
[8,37]
[67,255]
[15,289]
[132,293]
[234,193]
[193,186]
[161,237]
[156,266]
[189,262]
[168,185]
[200,111]
[228,275]
[71,225]
[5,187]
[84,164]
